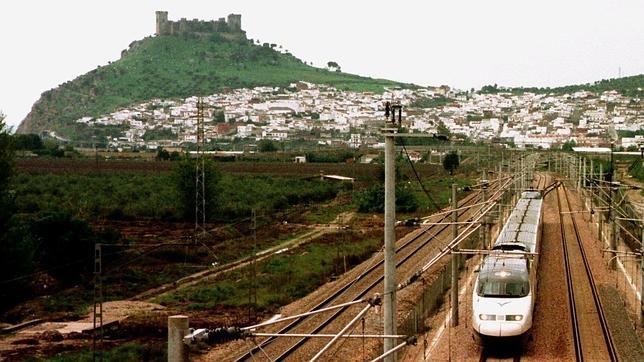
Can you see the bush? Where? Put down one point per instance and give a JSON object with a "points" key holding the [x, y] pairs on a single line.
{"points": [[266, 146], [451, 162], [637, 170], [27, 142], [373, 200], [65, 245]]}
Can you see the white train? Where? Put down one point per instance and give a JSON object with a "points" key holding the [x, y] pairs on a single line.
{"points": [[504, 294]]}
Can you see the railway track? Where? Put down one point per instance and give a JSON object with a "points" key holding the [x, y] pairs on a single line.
{"points": [[501, 353], [491, 355], [360, 287], [586, 312]]}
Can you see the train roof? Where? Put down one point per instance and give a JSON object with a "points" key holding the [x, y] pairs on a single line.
{"points": [[531, 195], [510, 266], [520, 230]]}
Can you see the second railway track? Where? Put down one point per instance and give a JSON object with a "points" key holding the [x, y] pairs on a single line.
{"points": [[586, 312], [361, 287]]}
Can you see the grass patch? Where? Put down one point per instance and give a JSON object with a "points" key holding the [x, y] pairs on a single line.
{"points": [[637, 170], [327, 213], [123, 353], [296, 273]]}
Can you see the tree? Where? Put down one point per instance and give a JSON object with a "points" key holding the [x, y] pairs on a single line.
{"points": [[266, 146], [162, 155], [333, 66], [16, 250], [373, 199], [451, 162], [27, 142], [568, 145], [219, 116], [442, 129], [6, 157]]}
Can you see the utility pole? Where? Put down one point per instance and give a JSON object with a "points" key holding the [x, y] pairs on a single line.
{"points": [[522, 171], [591, 185], [97, 330], [252, 293], [200, 176], [613, 226], [600, 227], [642, 278], [454, 259], [486, 225], [389, 298], [579, 173]]}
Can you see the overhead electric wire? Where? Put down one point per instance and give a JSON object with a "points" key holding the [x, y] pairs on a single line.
{"points": [[431, 200]]}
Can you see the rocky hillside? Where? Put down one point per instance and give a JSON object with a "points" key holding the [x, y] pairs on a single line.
{"points": [[173, 66]]}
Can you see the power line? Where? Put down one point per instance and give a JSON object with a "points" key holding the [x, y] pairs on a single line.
{"points": [[431, 200]]}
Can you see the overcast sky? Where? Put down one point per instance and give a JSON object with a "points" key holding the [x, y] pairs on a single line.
{"points": [[461, 43]]}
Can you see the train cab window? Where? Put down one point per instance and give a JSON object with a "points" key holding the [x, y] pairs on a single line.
{"points": [[503, 284]]}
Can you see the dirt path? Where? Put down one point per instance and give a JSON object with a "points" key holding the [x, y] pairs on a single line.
{"points": [[316, 232], [66, 335]]}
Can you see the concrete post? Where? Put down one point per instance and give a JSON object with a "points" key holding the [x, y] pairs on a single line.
{"points": [[600, 214], [486, 225], [455, 260], [592, 183], [579, 173], [583, 173], [177, 329], [613, 228], [642, 279], [389, 297]]}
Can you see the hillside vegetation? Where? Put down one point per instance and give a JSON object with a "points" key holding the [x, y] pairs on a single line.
{"points": [[629, 86], [177, 66]]}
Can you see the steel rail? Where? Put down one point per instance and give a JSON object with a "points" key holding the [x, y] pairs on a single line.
{"points": [[343, 289], [610, 345], [366, 290], [569, 283], [374, 284]]}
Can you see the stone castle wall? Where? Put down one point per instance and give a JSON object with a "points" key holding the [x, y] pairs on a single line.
{"points": [[230, 29]]}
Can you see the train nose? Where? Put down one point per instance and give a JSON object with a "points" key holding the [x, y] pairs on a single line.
{"points": [[490, 328]]}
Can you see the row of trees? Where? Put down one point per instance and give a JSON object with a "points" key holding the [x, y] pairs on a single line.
{"points": [[54, 241]]}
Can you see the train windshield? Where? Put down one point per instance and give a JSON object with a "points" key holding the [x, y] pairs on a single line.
{"points": [[503, 284]]}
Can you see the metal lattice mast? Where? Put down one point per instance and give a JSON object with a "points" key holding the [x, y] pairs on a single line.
{"points": [[97, 330], [252, 292], [200, 176]]}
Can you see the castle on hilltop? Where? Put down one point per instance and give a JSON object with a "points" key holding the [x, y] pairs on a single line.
{"points": [[230, 29]]}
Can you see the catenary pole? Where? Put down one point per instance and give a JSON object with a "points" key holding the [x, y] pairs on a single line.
{"points": [[455, 258], [389, 295]]}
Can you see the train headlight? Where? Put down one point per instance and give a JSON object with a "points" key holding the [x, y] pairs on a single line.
{"points": [[513, 317], [487, 317]]}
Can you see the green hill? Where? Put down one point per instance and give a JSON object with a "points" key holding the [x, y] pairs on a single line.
{"points": [[629, 86], [172, 66]]}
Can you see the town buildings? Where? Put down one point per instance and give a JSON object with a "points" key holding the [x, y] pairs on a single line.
{"points": [[329, 116]]}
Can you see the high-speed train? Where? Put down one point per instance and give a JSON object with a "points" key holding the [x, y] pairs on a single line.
{"points": [[505, 290]]}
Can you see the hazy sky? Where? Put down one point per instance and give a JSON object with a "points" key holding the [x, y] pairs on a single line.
{"points": [[457, 42]]}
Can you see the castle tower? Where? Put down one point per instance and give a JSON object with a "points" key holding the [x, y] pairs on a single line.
{"points": [[162, 20], [234, 23]]}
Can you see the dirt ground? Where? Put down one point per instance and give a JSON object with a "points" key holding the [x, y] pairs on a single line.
{"points": [[47, 337]]}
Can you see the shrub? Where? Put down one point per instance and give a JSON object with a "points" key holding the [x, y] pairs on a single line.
{"points": [[373, 200], [451, 162]]}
